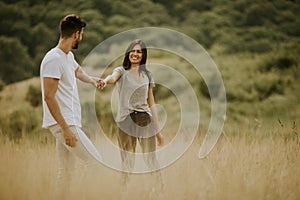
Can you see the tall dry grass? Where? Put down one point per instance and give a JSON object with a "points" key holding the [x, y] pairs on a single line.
{"points": [[245, 164]]}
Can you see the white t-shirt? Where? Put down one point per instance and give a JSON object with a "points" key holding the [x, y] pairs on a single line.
{"points": [[56, 64]]}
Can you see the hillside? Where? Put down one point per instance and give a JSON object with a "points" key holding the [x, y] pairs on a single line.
{"points": [[255, 97], [241, 26], [255, 45], [13, 96]]}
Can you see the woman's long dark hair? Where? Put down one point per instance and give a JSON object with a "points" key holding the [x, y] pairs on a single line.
{"points": [[126, 61]]}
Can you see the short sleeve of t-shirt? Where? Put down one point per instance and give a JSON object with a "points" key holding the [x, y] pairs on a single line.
{"points": [[120, 70], [52, 69]]}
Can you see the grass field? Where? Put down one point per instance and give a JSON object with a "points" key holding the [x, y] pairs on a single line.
{"points": [[245, 164], [257, 157]]}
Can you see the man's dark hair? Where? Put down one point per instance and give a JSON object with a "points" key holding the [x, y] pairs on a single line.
{"points": [[71, 24]]}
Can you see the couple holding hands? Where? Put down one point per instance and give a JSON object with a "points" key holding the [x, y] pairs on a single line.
{"points": [[136, 117]]}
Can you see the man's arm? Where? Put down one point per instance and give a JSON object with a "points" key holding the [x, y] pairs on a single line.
{"points": [[50, 88], [84, 77]]}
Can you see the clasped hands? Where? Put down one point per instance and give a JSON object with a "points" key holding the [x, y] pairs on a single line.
{"points": [[101, 84], [98, 83]]}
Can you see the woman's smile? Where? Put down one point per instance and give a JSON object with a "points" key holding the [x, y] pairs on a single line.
{"points": [[135, 55]]}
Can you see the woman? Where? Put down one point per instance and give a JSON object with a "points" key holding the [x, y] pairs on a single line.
{"points": [[137, 116]]}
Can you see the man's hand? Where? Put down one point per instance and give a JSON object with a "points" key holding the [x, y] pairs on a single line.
{"points": [[160, 139], [69, 136], [102, 84], [95, 82]]}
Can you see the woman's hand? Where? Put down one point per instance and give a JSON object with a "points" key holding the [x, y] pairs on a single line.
{"points": [[95, 82], [101, 84]]}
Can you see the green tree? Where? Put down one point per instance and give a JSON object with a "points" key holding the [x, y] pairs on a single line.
{"points": [[44, 39], [15, 63], [183, 8], [34, 95], [2, 84]]}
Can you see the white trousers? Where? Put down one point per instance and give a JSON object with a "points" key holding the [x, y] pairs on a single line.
{"points": [[67, 156]]}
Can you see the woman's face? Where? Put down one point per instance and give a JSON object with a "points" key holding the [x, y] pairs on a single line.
{"points": [[136, 54]]}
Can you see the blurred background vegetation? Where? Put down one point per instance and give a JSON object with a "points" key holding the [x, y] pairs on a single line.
{"points": [[255, 44]]}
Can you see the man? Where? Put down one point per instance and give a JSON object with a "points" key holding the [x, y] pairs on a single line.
{"points": [[61, 106]]}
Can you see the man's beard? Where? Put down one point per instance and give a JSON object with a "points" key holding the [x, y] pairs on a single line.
{"points": [[76, 45]]}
